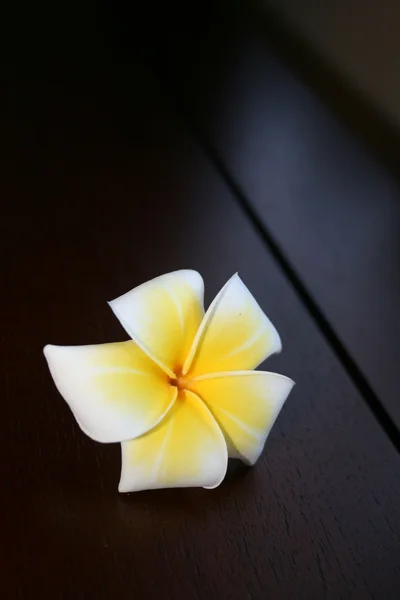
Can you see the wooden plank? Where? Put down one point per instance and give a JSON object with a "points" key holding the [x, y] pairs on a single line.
{"points": [[102, 189], [331, 208]]}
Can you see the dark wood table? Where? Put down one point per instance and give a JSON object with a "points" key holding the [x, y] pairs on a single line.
{"points": [[133, 146]]}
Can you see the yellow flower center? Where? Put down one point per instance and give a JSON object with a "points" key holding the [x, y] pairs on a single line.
{"points": [[180, 381]]}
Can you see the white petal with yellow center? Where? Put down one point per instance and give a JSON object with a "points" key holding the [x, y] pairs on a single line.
{"points": [[115, 391], [186, 449], [245, 405], [163, 315], [235, 333]]}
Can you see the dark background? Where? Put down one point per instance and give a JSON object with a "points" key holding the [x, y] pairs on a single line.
{"points": [[138, 140]]}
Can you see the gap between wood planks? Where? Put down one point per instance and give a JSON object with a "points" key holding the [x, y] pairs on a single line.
{"points": [[348, 363]]}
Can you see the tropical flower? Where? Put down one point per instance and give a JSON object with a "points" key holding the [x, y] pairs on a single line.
{"points": [[181, 395]]}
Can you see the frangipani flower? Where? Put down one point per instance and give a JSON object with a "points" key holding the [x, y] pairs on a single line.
{"points": [[181, 395]]}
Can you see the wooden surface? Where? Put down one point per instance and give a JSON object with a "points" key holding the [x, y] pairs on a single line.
{"points": [[330, 208], [103, 187]]}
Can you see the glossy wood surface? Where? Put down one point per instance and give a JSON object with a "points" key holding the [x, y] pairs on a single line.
{"points": [[331, 208], [104, 186]]}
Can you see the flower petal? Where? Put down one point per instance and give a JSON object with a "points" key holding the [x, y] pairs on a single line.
{"points": [[245, 405], [163, 315], [234, 334], [115, 391], [186, 449]]}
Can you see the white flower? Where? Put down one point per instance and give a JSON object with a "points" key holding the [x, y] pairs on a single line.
{"points": [[181, 396]]}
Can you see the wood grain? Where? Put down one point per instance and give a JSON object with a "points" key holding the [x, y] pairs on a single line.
{"points": [[103, 188]]}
